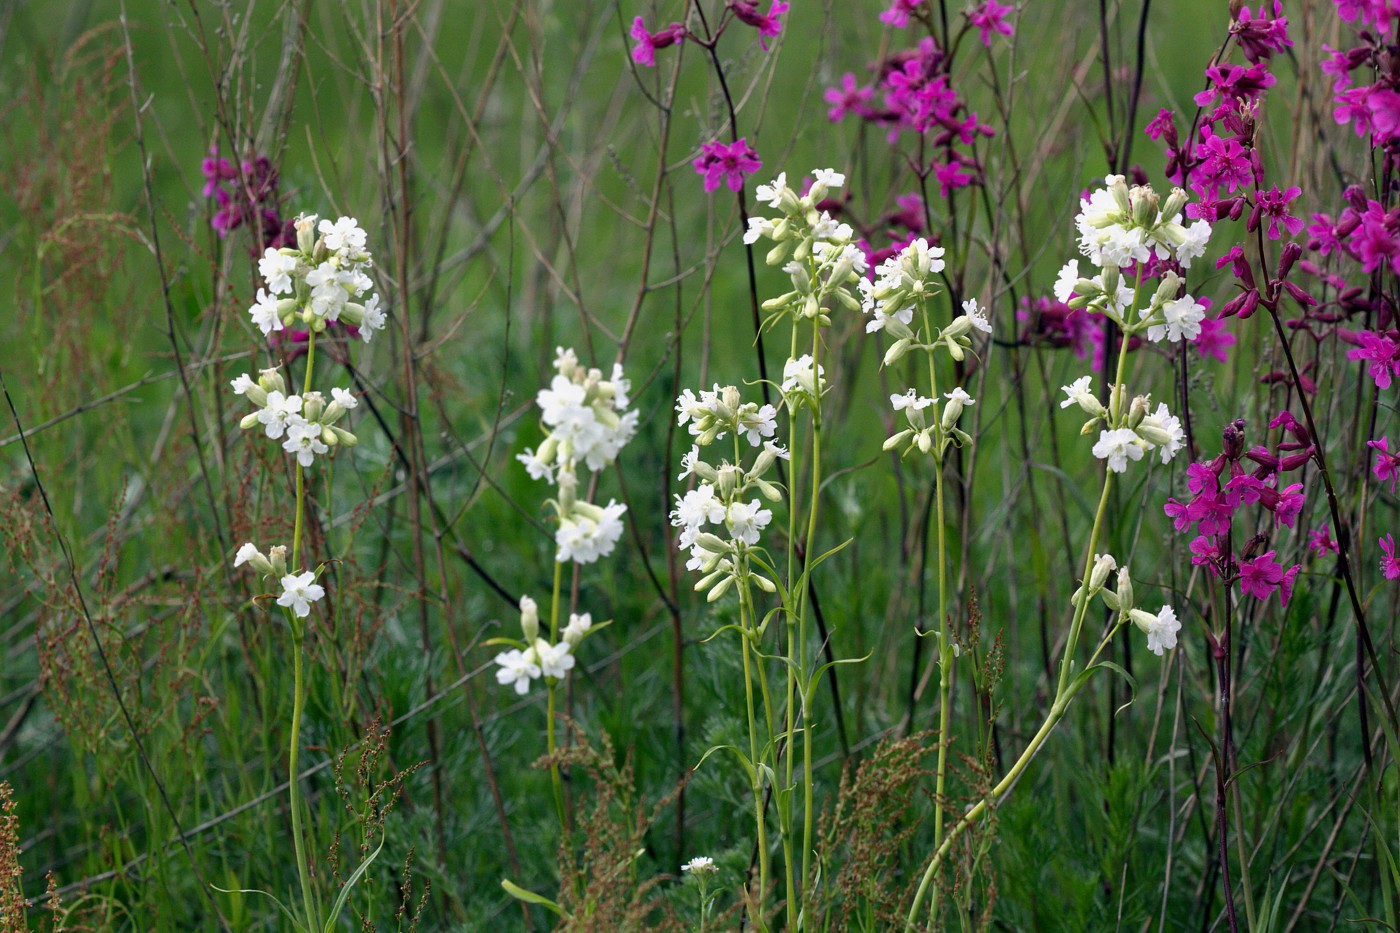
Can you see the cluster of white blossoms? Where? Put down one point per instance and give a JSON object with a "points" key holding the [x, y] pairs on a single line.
{"points": [[1121, 227], [1160, 628], [535, 657], [586, 422], [322, 280], [818, 252], [299, 590], [722, 518], [1125, 435], [306, 424]]}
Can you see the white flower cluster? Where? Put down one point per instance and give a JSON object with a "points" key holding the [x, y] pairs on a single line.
{"points": [[931, 433], [323, 280], [904, 283], [1119, 227], [586, 422], [306, 422], [536, 657], [1160, 628], [722, 518], [818, 252], [1125, 436], [299, 590]]}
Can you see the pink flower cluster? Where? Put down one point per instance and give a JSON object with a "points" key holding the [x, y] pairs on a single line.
{"points": [[1222, 486], [744, 11], [246, 194], [728, 163], [1373, 110]]}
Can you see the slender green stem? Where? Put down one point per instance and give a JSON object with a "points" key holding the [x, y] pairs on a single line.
{"points": [[294, 784], [814, 498], [555, 778], [745, 626]]}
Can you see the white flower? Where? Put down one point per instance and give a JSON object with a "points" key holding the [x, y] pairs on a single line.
{"points": [[536, 466], [1079, 393], [910, 401], [589, 532], [1163, 430], [1194, 244], [688, 462], [828, 177], [1118, 447], [1183, 320], [746, 521], [374, 319], [280, 411], [698, 506], [759, 227], [976, 316], [772, 195], [1160, 629], [264, 313], [700, 863], [246, 553], [756, 425], [328, 295], [578, 627], [277, 269], [299, 591], [518, 668], [242, 384], [797, 374], [345, 398], [1064, 285], [304, 440], [344, 233], [555, 660]]}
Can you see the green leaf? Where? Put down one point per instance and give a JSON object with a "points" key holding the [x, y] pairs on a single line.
{"points": [[350, 883], [530, 897], [296, 924]]}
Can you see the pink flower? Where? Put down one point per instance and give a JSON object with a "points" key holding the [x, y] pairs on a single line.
{"points": [[898, 13], [729, 164], [1273, 204], [1381, 353], [1160, 124], [1259, 576], [1214, 339], [1223, 163], [1387, 464], [1390, 564], [950, 175], [1320, 541], [990, 17], [1260, 37], [850, 98], [766, 23], [644, 52], [1285, 586]]}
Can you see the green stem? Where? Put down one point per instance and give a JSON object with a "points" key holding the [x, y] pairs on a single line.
{"points": [[294, 784], [555, 778], [745, 619]]}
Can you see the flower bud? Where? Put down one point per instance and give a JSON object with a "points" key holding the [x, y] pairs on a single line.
{"points": [[713, 543], [342, 437], [1112, 275], [249, 422], [764, 584], [896, 440], [529, 619], [270, 380], [897, 350], [729, 476], [1125, 590], [306, 232], [1104, 564], [277, 556], [720, 589], [312, 405], [1119, 189], [1174, 203], [1145, 205], [1141, 405]]}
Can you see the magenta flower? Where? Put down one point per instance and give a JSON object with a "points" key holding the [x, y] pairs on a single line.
{"points": [[1159, 125], [1320, 541], [1387, 464], [1224, 163], [1381, 353], [1259, 576], [1230, 81], [729, 164], [898, 13], [1390, 564], [644, 52], [1285, 586], [1214, 339], [1273, 204], [766, 23], [950, 175], [1259, 37], [990, 17], [849, 98], [1290, 504]]}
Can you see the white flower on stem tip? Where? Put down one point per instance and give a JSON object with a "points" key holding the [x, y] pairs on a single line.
{"points": [[374, 319], [344, 233], [518, 668], [746, 521], [1104, 564], [299, 591], [555, 660], [881, 320], [759, 227], [1079, 393], [773, 194], [277, 268], [242, 384], [910, 401], [1064, 285], [529, 618], [688, 461], [957, 400], [578, 626], [830, 229], [1183, 320], [279, 412], [976, 316], [589, 532], [345, 398], [1160, 629], [536, 466], [328, 294], [1118, 447], [758, 423], [1163, 430], [698, 506], [246, 553], [700, 863], [828, 178], [304, 440], [264, 313], [798, 374]]}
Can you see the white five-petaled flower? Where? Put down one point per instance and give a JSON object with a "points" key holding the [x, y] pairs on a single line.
{"points": [[1183, 320], [1079, 393], [976, 316], [277, 268], [1064, 284], [1118, 447], [1160, 629], [246, 553], [518, 668], [555, 660], [242, 384], [280, 412], [304, 440], [701, 863], [345, 398], [343, 233], [374, 319], [299, 591], [589, 532], [264, 313], [828, 177], [578, 626], [910, 401], [746, 521]]}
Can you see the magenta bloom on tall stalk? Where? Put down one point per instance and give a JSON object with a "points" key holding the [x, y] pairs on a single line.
{"points": [[644, 52], [729, 164], [990, 17], [767, 24], [1387, 466]]}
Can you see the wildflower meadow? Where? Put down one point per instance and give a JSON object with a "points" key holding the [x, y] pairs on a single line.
{"points": [[710, 465]]}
